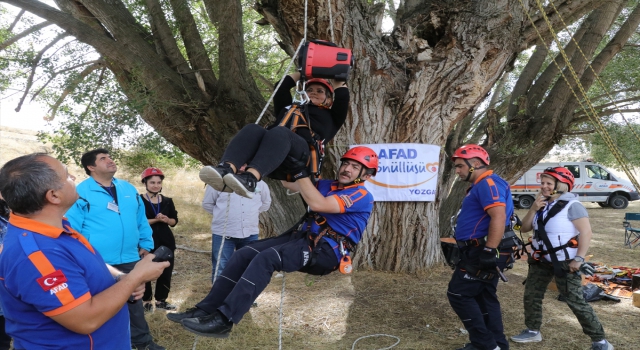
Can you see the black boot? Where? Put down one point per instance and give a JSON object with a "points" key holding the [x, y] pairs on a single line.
{"points": [[190, 313], [243, 184], [215, 325]]}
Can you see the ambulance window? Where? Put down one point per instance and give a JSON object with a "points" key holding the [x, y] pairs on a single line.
{"points": [[574, 169], [596, 172]]}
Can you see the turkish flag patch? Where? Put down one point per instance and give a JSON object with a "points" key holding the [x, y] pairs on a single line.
{"points": [[51, 280]]}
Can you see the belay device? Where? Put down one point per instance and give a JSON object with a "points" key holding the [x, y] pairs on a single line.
{"points": [[324, 59]]}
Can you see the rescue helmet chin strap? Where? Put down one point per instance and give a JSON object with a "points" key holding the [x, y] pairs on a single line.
{"points": [[471, 169], [147, 188]]}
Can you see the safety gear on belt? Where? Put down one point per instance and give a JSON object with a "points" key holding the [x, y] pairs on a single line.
{"points": [[297, 117], [488, 259]]}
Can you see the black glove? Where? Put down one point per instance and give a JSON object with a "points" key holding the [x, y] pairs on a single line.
{"points": [[488, 259], [297, 168]]}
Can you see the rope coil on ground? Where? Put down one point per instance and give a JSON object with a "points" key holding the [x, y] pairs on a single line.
{"points": [[378, 335]]}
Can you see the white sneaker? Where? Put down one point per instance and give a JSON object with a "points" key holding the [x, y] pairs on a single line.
{"points": [[527, 336], [605, 346]]}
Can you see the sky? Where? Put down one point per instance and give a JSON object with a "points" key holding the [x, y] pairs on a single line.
{"points": [[30, 117]]}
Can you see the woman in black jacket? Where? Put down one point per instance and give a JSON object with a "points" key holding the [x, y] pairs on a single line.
{"points": [[162, 215], [265, 150]]}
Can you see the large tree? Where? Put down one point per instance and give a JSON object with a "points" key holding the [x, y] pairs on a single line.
{"points": [[413, 85]]}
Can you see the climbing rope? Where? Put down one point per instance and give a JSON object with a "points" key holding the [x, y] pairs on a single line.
{"points": [[304, 39], [224, 238], [588, 109], [566, 27], [378, 335]]}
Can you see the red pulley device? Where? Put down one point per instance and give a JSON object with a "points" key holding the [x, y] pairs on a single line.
{"points": [[323, 59]]}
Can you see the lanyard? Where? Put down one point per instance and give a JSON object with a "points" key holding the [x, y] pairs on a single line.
{"points": [[108, 190], [153, 206]]}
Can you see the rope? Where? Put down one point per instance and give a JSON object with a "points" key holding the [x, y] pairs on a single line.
{"points": [[280, 317], [592, 117], [224, 238], [594, 72], [333, 40], [377, 335]]}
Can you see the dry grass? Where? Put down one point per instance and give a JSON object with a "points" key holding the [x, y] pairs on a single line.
{"points": [[331, 312]]}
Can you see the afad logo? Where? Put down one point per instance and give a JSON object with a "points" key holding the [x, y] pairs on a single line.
{"points": [[399, 163]]}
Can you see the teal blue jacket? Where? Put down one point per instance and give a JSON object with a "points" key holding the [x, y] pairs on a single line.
{"points": [[117, 236]]}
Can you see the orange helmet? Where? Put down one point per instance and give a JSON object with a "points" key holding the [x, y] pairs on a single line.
{"points": [[148, 172], [323, 82], [363, 155], [471, 151], [561, 174]]}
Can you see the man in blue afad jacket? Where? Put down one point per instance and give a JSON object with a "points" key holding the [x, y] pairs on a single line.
{"points": [[112, 217]]}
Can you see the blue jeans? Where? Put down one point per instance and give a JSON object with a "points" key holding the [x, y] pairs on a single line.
{"points": [[230, 245]]}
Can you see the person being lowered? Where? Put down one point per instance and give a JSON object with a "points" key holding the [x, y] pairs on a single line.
{"points": [[297, 130]]}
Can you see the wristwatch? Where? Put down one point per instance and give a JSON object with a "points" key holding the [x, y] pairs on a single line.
{"points": [[578, 258]]}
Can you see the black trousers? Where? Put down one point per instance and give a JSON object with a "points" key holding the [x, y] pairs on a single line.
{"points": [[250, 268], [476, 304], [5, 340], [139, 328], [264, 150], [163, 285]]}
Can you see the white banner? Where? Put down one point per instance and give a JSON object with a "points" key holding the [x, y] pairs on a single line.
{"points": [[407, 172]]}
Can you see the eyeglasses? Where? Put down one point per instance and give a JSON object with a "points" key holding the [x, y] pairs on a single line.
{"points": [[553, 171], [317, 91]]}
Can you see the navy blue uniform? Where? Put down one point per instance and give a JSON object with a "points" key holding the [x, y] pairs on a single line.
{"points": [[475, 301]]}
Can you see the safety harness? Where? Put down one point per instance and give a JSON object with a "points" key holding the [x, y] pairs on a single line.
{"points": [[298, 117], [541, 233]]}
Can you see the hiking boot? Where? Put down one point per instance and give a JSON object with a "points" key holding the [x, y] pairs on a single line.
{"points": [[605, 346], [149, 346], [527, 336], [212, 176], [164, 305], [243, 184], [215, 325], [190, 313]]}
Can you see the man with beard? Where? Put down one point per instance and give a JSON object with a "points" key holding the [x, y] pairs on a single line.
{"points": [[340, 211]]}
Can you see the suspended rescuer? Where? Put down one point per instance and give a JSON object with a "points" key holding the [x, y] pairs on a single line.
{"points": [[299, 133], [484, 219], [561, 239], [321, 244], [57, 291]]}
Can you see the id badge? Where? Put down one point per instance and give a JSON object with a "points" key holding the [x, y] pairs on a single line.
{"points": [[113, 207]]}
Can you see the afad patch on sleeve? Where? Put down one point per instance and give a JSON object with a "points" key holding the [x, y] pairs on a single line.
{"points": [[347, 200], [51, 280]]}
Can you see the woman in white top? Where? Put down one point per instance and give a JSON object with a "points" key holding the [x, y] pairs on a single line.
{"points": [[562, 235]]}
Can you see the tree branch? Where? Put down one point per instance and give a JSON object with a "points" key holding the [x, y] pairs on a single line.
{"points": [[197, 53], [93, 93], [570, 11], [527, 77], [15, 21], [55, 74], [581, 132], [23, 34], [163, 34], [34, 65], [69, 88]]}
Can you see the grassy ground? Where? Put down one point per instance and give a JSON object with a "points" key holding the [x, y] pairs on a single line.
{"points": [[331, 312]]}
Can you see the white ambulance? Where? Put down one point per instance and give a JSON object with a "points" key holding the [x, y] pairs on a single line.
{"points": [[594, 183]]}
